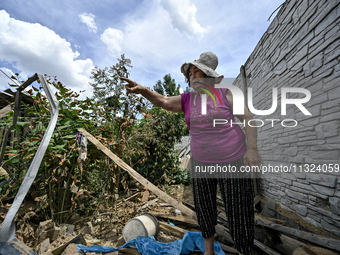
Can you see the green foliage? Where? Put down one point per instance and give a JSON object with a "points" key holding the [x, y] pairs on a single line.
{"points": [[156, 136], [168, 87], [106, 81], [62, 176]]}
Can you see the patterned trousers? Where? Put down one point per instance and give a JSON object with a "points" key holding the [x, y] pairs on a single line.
{"points": [[238, 198]]}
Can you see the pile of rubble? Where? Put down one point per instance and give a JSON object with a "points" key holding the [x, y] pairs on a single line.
{"points": [[105, 227]]}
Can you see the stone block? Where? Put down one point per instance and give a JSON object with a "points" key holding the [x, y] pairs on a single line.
{"points": [[328, 129], [314, 217], [325, 70], [323, 190], [301, 33], [288, 139], [329, 104], [314, 110], [331, 82], [288, 176], [312, 222], [310, 122], [303, 186], [299, 175], [300, 10], [291, 151], [316, 39], [280, 67], [334, 93], [335, 223], [331, 33], [306, 133], [300, 209], [321, 196], [327, 155], [335, 205], [322, 179], [309, 13], [324, 7], [331, 228], [296, 195], [330, 117], [313, 64], [325, 147], [308, 192], [329, 19], [329, 111], [333, 54], [293, 200], [312, 199], [337, 193], [288, 182]]}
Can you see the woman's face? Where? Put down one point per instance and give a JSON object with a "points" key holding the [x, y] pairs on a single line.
{"points": [[196, 77]]}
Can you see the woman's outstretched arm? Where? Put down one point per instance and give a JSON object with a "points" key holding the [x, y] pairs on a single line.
{"points": [[172, 103]]}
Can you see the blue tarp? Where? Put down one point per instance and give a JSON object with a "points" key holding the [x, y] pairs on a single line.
{"points": [[147, 245]]}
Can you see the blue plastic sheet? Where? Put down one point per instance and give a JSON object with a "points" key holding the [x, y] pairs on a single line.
{"points": [[147, 245]]}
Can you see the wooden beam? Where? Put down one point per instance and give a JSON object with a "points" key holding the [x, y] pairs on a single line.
{"points": [[172, 230], [185, 210], [180, 218], [265, 248], [326, 242]]}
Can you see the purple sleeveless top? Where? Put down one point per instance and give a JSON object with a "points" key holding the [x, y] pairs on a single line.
{"points": [[221, 143]]}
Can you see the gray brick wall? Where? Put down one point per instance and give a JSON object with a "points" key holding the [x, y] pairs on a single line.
{"points": [[301, 48]]}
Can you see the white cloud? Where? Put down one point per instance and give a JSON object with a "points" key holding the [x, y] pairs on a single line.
{"points": [[113, 38], [183, 17], [34, 48], [88, 19]]}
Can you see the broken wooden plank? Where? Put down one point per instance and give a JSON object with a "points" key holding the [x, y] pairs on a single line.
{"points": [[316, 239], [139, 177], [179, 218], [265, 248], [289, 245], [172, 230], [272, 220]]}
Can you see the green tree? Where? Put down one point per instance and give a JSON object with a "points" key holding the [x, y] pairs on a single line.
{"points": [[109, 89], [155, 137], [187, 89], [168, 87]]}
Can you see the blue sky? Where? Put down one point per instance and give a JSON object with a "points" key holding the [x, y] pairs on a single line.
{"points": [[68, 38]]}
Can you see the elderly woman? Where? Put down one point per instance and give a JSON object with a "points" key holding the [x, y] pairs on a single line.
{"points": [[214, 147]]}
